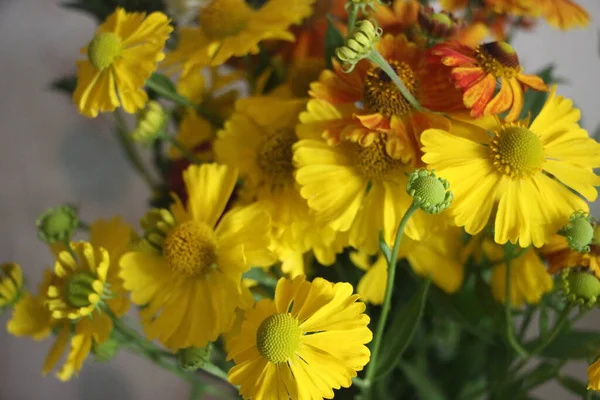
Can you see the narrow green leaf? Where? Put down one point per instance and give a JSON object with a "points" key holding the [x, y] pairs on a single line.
{"points": [[164, 82], [425, 387], [400, 333], [573, 385], [573, 345], [66, 84], [333, 40], [540, 375]]}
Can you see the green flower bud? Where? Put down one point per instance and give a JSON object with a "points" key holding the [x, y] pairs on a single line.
{"points": [[359, 43], [363, 5], [57, 224], [105, 351], [79, 288], [192, 358], [150, 123], [429, 192], [157, 223], [580, 287], [579, 231]]}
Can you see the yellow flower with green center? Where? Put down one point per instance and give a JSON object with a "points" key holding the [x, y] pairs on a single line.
{"points": [[121, 56], [188, 271], [11, 284], [68, 299], [526, 172], [302, 345], [258, 140], [231, 28]]}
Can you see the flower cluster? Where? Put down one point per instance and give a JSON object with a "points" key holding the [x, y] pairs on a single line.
{"points": [[306, 150]]}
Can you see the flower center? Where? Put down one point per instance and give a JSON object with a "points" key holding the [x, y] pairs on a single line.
{"points": [[104, 48], [274, 157], [517, 152], [79, 287], [222, 18], [499, 59], [373, 162], [383, 96], [278, 337], [191, 248]]}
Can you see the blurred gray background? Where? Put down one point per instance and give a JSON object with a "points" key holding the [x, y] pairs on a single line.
{"points": [[50, 155]]}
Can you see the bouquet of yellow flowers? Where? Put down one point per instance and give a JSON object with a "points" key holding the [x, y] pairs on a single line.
{"points": [[351, 198]]}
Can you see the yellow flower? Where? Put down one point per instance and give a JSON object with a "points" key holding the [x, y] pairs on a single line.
{"points": [[507, 166], [309, 340], [231, 28], [371, 287], [188, 272], [11, 284], [75, 290], [121, 56], [594, 376]]}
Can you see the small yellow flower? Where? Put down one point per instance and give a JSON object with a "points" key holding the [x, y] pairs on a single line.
{"points": [[121, 56], [11, 284], [188, 273], [308, 341], [75, 290]]}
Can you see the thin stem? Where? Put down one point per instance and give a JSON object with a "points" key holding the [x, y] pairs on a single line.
{"points": [[352, 15], [525, 323], [385, 309], [130, 151], [563, 317], [183, 101], [376, 58], [510, 333], [181, 147]]}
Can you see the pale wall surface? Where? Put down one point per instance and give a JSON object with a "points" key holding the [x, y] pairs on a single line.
{"points": [[50, 155]]}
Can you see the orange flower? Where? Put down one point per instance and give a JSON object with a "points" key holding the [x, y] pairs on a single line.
{"points": [[561, 14], [398, 17], [477, 71], [559, 256], [368, 104]]}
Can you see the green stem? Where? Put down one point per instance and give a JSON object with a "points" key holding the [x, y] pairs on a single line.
{"points": [[352, 15], [563, 317], [177, 98], [130, 151], [526, 322], [510, 333], [385, 309], [376, 58], [184, 150]]}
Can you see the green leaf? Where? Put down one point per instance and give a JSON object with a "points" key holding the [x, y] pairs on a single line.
{"points": [[164, 82], [540, 375], [261, 276], [333, 40], [425, 387], [66, 84], [573, 345], [400, 333], [573, 385]]}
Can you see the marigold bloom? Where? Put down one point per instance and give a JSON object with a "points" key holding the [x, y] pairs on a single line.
{"points": [[510, 170], [258, 140], [69, 298], [477, 71], [188, 271], [11, 284], [302, 345], [121, 56], [231, 28]]}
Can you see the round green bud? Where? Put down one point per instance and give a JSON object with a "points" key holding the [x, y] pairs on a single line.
{"points": [[79, 288], [581, 287], [579, 232], [151, 121], [429, 192], [57, 224], [105, 351], [192, 358]]}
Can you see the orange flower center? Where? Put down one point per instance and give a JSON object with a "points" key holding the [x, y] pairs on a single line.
{"points": [[222, 18], [191, 248], [383, 96], [374, 163], [498, 59], [274, 157], [517, 152]]}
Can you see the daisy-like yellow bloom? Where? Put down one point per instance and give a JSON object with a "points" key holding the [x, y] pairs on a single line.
{"points": [[231, 28], [593, 372], [478, 71], [302, 345], [121, 56], [11, 284], [189, 269], [524, 170], [71, 297], [258, 140]]}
